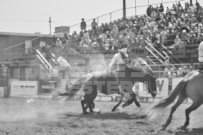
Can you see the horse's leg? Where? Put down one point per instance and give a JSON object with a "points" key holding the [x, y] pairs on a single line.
{"points": [[135, 100], [120, 101], [89, 104], [83, 106], [114, 108], [193, 107], [129, 101], [181, 98], [93, 105], [121, 98]]}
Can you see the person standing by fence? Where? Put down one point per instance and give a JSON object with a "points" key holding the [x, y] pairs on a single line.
{"points": [[63, 66], [83, 25], [200, 58]]}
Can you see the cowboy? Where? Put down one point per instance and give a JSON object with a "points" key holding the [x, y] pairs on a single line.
{"points": [[119, 60], [63, 66]]}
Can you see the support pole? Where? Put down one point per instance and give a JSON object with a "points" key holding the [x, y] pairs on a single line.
{"points": [[124, 9], [50, 25]]}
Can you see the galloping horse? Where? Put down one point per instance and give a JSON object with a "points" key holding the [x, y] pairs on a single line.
{"points": [[111, 84], [191, 87]]}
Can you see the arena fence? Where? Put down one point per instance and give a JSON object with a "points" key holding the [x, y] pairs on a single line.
{"points": [[38, 89]]}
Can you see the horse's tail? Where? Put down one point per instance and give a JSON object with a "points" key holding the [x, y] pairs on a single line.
{"points": [[167, 101], [77, 89], [73, 90], [68, 94]]}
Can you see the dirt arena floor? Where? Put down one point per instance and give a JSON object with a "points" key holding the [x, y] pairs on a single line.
{"points": [[49, 117]]}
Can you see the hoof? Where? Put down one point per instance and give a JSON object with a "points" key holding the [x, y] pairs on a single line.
{"points": [[163, 127], [96, 110], [86, 113], [182, 128]]}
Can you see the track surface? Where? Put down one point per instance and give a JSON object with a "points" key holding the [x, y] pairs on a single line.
{"points": [[47, 117]]}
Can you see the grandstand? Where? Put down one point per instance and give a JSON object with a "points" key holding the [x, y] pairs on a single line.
{"points": [[173, 33]]}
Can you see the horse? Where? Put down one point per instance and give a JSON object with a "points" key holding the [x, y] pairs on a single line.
{"points": [[189, 87], [112, 83]]}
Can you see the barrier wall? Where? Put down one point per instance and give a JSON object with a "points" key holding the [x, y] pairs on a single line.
{"points": [[46, 87], [162, 88], [23, 88], [2, 93], [36, 89]]}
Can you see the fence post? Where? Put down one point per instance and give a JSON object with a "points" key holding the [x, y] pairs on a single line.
{"points": [[97, 20], [110, 16]]}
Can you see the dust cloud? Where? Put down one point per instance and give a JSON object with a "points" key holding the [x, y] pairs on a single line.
{"points": [[98, 63], [18, 109]]}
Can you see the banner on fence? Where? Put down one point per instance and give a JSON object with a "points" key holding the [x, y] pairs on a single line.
{"points": [[47, 86], [162, 88], [23, 88], [1, 91]]}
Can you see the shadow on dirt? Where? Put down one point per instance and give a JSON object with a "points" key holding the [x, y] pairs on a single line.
{"points": [[192, 131], [107, 115]]}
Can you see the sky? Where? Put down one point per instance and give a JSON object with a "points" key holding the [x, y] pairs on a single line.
{"points": [[30, 16]]}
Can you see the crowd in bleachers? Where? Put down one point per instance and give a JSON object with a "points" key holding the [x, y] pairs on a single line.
{"points": [[177, 71], [172, 27]]}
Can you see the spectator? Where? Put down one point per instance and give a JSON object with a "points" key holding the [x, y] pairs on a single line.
{"points": [[149, 10], [167, 62], [58, 42], [184, 37], [94, 26], [166, 72], [180, 72], [83, 25], [106, 46], [185, 70], [172, 73], [161, 9], [63, 66]]}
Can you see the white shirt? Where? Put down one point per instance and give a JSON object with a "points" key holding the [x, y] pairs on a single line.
{"points": [[117, 60], [63, 63]]}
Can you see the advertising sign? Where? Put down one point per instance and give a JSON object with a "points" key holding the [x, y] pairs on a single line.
{"points": [[1, 91], [62, 29], [23, 88], [47, 87], [162, 88]]}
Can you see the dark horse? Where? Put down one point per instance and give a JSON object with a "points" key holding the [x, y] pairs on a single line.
{"points": [[113, 83], [191, 87]]}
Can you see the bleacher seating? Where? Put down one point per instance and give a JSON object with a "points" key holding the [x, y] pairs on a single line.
{"points": [[177, 27]]}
